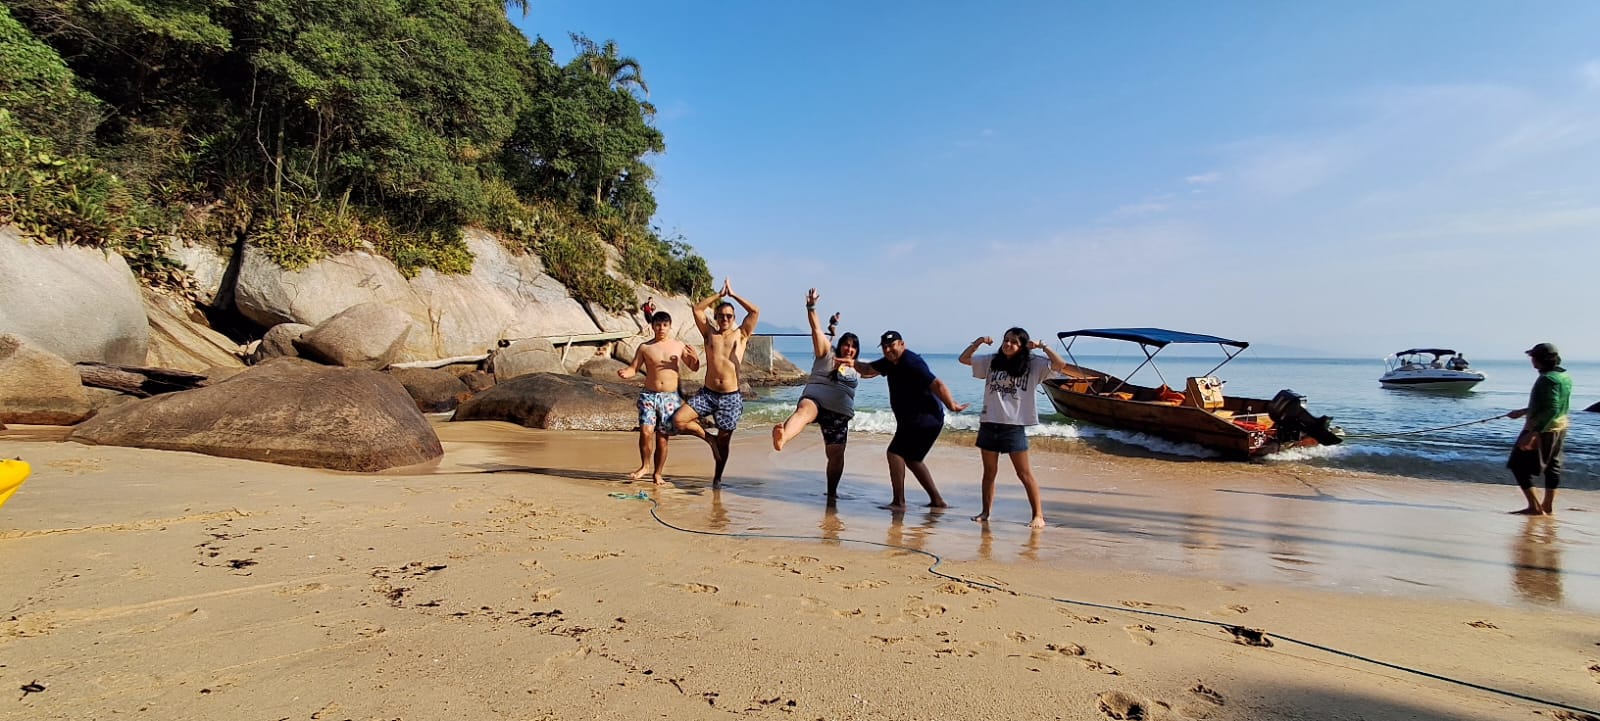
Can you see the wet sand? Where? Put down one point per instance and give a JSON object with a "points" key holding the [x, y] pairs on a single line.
{"points": [[506, 582]]}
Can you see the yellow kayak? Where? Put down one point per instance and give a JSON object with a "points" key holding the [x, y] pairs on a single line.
{"points": [[12, 474]]}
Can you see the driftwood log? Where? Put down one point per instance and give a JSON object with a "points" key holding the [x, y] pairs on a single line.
{"points": [[137, 381]]}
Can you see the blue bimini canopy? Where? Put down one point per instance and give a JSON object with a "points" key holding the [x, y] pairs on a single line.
{"points": [[1158, 337]]}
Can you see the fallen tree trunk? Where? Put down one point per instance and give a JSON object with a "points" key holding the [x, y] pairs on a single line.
{"points": [[137, 381]]}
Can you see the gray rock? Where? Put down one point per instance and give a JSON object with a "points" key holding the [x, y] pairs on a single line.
{"points": [[81, 304], [207, 265], [102, 398], [435, 391], [278, 342], [605, 368], [368, 335], [561, 402], [39, 387], [288, 411], [534, 355], [181, 339], [478, 381]]}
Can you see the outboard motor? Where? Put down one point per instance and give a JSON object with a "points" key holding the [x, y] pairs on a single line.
{"points": [[1293, 421]]}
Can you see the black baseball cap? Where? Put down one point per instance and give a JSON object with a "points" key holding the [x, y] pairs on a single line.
{"points": [[888, 338], [1543, 350]]}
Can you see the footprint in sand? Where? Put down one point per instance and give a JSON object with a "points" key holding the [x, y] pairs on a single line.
{"points": [[1140, 633], [1065, 649], [1094, 665], [927, 610], [858, 585], [1081, 619], [696, 588], [1206, 694], [1481, 624], [955, 589], [1594, 670], [852, 613], [1018, 636], [1238, 608], [1123, 706], [549, 593]]}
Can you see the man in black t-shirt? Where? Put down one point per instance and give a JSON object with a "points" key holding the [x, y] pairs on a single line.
{"points": [[918, 399]]}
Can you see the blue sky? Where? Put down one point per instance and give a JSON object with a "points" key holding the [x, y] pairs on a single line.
{"points": [[1352, 178]]}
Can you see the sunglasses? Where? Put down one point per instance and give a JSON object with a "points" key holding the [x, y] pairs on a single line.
{"points": [[724, 316]]}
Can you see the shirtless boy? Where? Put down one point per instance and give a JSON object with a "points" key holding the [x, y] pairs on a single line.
{"points": [[719, 401], [659, 358]]}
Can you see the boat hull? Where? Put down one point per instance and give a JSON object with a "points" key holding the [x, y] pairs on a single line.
{"points": [[1432, 380], [1180, 423]]}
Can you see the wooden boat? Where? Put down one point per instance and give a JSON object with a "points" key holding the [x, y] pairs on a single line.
{"points": [[1235, 427]]}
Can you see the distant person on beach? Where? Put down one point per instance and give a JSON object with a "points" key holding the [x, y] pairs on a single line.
{"points": [[829, 397], [1538, 449], [1010, 379], [659, 358], [915, 396], [719, 400], [649, 308]]}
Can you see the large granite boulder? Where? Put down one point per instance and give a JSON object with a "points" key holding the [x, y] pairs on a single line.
{"points": [[434, 390], [206, 264], [367, 335], [82, 304], [287, 410], [506, 296], [605, 368], [38, 387], [533, 355], [180, 337], [554, 401]]}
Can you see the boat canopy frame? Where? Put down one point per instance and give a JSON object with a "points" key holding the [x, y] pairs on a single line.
{"points": [[1146, 338], [1435, 352]]}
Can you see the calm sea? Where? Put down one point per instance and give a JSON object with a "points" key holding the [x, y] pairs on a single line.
{"points": [[1346, 389]]}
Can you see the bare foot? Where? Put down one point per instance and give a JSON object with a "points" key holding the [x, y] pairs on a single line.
{"points": [[1038, 522], [1530, 511], [659, 479], [636, 475], [938, 503], [777, 438], [894, 506], [981, 518]]}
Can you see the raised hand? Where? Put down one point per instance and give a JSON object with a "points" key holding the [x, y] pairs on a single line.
{"points": [[727, 287], [812, 297], [984, 340]]}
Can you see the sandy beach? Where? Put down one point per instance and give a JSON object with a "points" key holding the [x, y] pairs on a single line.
{"points": [[507, 581]]}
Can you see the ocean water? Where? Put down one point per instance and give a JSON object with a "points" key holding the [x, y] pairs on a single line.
{"points": [[1346, 389]]}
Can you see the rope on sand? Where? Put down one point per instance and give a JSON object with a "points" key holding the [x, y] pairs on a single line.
{"points": [[1428, 430], [1247, 636]]}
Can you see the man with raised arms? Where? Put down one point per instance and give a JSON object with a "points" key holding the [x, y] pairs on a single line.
{"points": [[719, 401], [658, 358]]}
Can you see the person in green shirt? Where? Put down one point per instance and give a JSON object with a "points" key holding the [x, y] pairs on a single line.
{"points": [[1538, 449]]}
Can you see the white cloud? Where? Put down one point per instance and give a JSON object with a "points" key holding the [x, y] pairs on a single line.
{"points": [[1591, 74], [1203, 178]]}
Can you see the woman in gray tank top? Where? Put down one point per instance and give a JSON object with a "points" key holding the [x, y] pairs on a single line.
{"points": [[829, 397]]}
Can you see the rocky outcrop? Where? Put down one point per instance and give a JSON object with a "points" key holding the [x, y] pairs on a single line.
{"points": [[82, 304], [433, 390], [38, 387], [534, 355], [560, 402], [180, 337], [1594, 408], [366, 335], [288, 411], [506, 296]]}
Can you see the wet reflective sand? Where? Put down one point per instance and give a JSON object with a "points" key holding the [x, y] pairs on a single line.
{"points": [[1229, 522]]}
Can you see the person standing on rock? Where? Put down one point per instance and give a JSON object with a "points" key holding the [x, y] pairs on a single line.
{"points": [[659, 358], [719, 400]]}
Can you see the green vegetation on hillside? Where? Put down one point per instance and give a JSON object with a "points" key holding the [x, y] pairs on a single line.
{"points": [[307, 129]]}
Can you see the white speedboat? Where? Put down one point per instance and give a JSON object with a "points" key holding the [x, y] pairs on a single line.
{"points": [[1434, 369]]}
